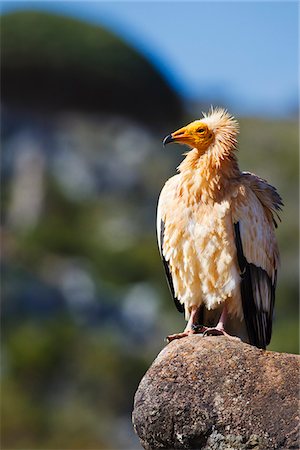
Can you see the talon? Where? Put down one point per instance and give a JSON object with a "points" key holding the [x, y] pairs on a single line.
{"points": [[197, 328], [214, 332], [219, 332]]}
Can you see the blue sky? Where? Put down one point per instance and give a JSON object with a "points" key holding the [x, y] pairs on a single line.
{"points": [[245, 53]]}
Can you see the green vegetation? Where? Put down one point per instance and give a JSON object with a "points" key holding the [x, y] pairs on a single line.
{"points": [[269, 148], [68, 379], [85, 302]]}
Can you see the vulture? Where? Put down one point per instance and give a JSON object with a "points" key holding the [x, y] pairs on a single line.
{"points": [[216, 235]]}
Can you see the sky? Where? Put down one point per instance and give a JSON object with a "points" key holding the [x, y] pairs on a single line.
{"points": [[244, 53]]}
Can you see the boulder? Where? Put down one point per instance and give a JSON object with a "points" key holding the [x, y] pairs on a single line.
{"points": [[218, 393]]}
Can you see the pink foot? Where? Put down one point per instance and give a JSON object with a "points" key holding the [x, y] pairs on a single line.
{"points": [[191, 327], [172, 337], [218, 331]]}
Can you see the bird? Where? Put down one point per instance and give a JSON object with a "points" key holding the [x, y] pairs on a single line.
{"points": [[216, 235]]}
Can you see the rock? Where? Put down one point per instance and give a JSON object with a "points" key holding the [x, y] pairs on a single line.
{"points": [[218, 393]]}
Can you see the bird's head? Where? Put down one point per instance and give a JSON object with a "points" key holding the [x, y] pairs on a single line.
{"points": [[215, 127]]}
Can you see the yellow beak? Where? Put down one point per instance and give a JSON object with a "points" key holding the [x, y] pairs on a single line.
{"points": [[180, 135]]}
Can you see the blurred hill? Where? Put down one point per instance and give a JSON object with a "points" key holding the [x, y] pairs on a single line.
{"points": [[50, 62], [85, 302]]}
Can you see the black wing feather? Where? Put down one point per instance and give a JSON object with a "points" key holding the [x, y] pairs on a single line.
{"points": [[258, 320], [178, 305]]}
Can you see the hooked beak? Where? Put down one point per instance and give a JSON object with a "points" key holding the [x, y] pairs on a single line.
{"points": [[178, 136], [167, 140]]}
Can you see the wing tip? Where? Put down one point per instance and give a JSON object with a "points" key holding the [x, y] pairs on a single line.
{"points": [[258, 321]]}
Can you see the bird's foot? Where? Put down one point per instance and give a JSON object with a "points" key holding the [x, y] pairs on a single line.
{"points": [[195, 329], [172, 337], [218, 331], [198, 328], [214, 332]]}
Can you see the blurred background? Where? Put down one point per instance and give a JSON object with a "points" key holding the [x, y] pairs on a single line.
{"points": [[89, 89]]}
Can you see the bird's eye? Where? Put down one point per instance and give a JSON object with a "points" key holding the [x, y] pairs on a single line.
{"points": [[200, 130]]}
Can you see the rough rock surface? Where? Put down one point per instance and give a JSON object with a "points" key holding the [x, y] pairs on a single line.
{"points": [[218, 393]]}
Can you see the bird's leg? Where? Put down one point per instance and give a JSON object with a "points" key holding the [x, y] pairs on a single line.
{"points": [[219, 329], [192, 320], [221, 324], [191, 327]]}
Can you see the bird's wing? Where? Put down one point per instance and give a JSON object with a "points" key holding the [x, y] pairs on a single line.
{"points": [[257, 254], [267, 195], [160, 228]]}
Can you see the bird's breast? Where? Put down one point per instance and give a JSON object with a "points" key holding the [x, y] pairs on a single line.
{"points": [[199, 246]]}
